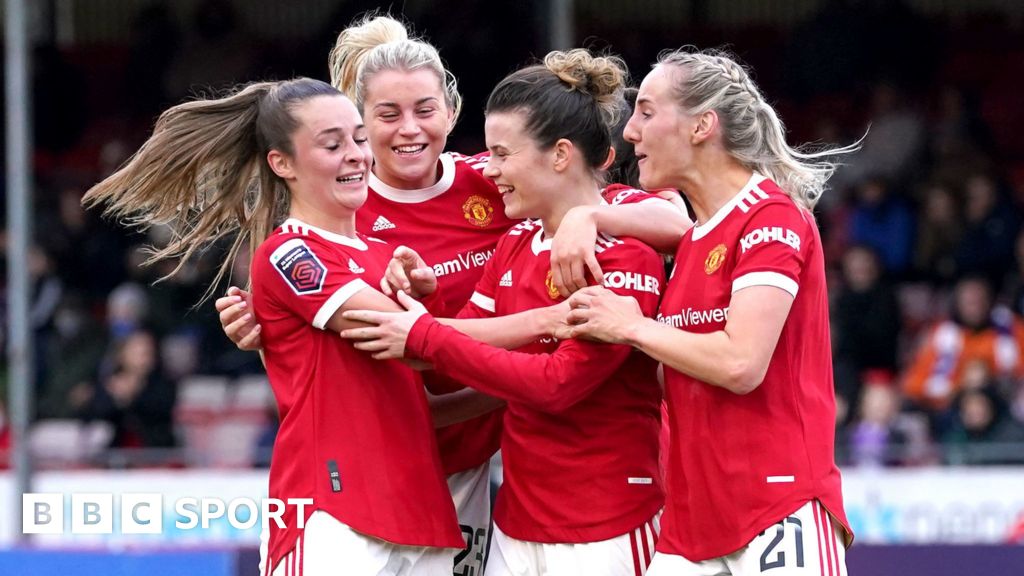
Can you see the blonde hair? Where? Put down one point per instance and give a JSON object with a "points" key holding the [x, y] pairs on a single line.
{"points": [[204, 171], [573, 95], [376, 43], [752, 131]]}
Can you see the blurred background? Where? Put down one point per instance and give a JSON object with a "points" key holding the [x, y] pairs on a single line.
{"points": [[136, 388]]}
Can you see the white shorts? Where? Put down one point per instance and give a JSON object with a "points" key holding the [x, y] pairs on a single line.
{"points": [[806, 543], [329, 548], [624, 555], [471, 493]]}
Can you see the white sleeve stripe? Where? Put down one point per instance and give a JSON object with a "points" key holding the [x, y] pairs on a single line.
{"points": [[337, 300], [483, 301], [766, 279]]}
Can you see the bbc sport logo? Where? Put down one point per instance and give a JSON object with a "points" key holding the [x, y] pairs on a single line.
{"points": [[143, 513]]}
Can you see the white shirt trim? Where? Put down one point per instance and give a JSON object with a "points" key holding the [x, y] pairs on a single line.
{"points": [[766, 279], [422, 194], [336, 301], [539, 243], [300, 227], [483, 301], [702, 230]]}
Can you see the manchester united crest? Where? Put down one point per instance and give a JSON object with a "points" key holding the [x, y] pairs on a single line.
{"points": [[478, 211], [549, 281], [715, 259]]}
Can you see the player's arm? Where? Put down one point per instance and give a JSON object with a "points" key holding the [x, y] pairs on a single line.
{"points": [[765, 282], [548, 382], [735, 358], [460, 406], [514, 330], [654, 221]]}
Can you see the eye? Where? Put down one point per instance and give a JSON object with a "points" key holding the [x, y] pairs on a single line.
{"points": [[425, 111], [388, 116], [362, 140], [333, 146]]}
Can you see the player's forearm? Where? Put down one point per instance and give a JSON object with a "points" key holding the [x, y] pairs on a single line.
{"points": [[508, 332], [712, 358], [460, 406], [659, 224], [548, 382]]}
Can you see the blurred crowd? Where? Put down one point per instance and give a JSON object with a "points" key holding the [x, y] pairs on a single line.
{"points": [[923, 227]]}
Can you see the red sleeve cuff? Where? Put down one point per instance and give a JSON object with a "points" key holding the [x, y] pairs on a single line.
{"points": [[416, 342]]}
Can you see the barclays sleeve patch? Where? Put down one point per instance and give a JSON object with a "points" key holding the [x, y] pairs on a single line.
{"points": [[299, 267]]}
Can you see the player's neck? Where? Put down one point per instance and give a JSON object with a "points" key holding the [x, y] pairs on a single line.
{"points": [[712, 187], [583, 194], [345, 226]]}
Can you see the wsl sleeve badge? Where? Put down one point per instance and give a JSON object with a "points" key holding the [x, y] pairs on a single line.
{"points": [[299, 267]]}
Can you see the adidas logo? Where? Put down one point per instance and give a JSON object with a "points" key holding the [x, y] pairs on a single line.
{"points": [[506, 279], [355, 268], [382, 223]]}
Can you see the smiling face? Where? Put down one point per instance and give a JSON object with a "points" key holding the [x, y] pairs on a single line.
{"points": [[520, 169], [408, 122], [660, 131], [328, 170]]}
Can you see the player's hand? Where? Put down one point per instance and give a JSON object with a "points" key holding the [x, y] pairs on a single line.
{"points": [[572, 251], [600, 314], [388, 332], [236, 319], [674, 197], [408, 273]]}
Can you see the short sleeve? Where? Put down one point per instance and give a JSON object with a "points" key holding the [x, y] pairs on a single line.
{"points": [[616, 195], [633, 269], [309, 278], [773, 248]]}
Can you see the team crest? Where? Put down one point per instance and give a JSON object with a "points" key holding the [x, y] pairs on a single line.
{"points": [[478, 211], [299, 267], [715, 259], [549, 281]]}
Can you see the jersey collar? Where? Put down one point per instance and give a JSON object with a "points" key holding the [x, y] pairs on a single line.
{"points": [[296, 225], [702, 230], [423, 194]]}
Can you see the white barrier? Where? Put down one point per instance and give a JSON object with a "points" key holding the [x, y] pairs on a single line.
{"points": [[885, 506]]}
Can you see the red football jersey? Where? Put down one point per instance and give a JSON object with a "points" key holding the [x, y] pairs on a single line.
{"points": [[581, 427], [454, 225], [355, 432], [740, 463]]}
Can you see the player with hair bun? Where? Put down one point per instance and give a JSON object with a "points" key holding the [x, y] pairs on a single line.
{"points": [[440, 204], [363, 453], [582, 491], [743, 334]]}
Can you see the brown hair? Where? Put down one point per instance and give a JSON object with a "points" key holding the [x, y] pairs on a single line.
{"points": [[204, 171], [572, 95]]}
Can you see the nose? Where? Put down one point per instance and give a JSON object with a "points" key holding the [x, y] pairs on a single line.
{"points": [[491, 169], [356, 153], [410, 126], [631, 132]]}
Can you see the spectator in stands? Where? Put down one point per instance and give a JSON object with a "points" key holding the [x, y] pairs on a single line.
{"points": [[983, 431], [1014, 285], [939, 230], [894, 143], [75, 351], [885, 222], [135, 397], [975, 331], [876, 438], [865, 323], [992, 224]]}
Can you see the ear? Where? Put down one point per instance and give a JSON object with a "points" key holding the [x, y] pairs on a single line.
{"points": [[705, 127], [563, 151], [610, 159], [451, 119], [280, 164]]}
